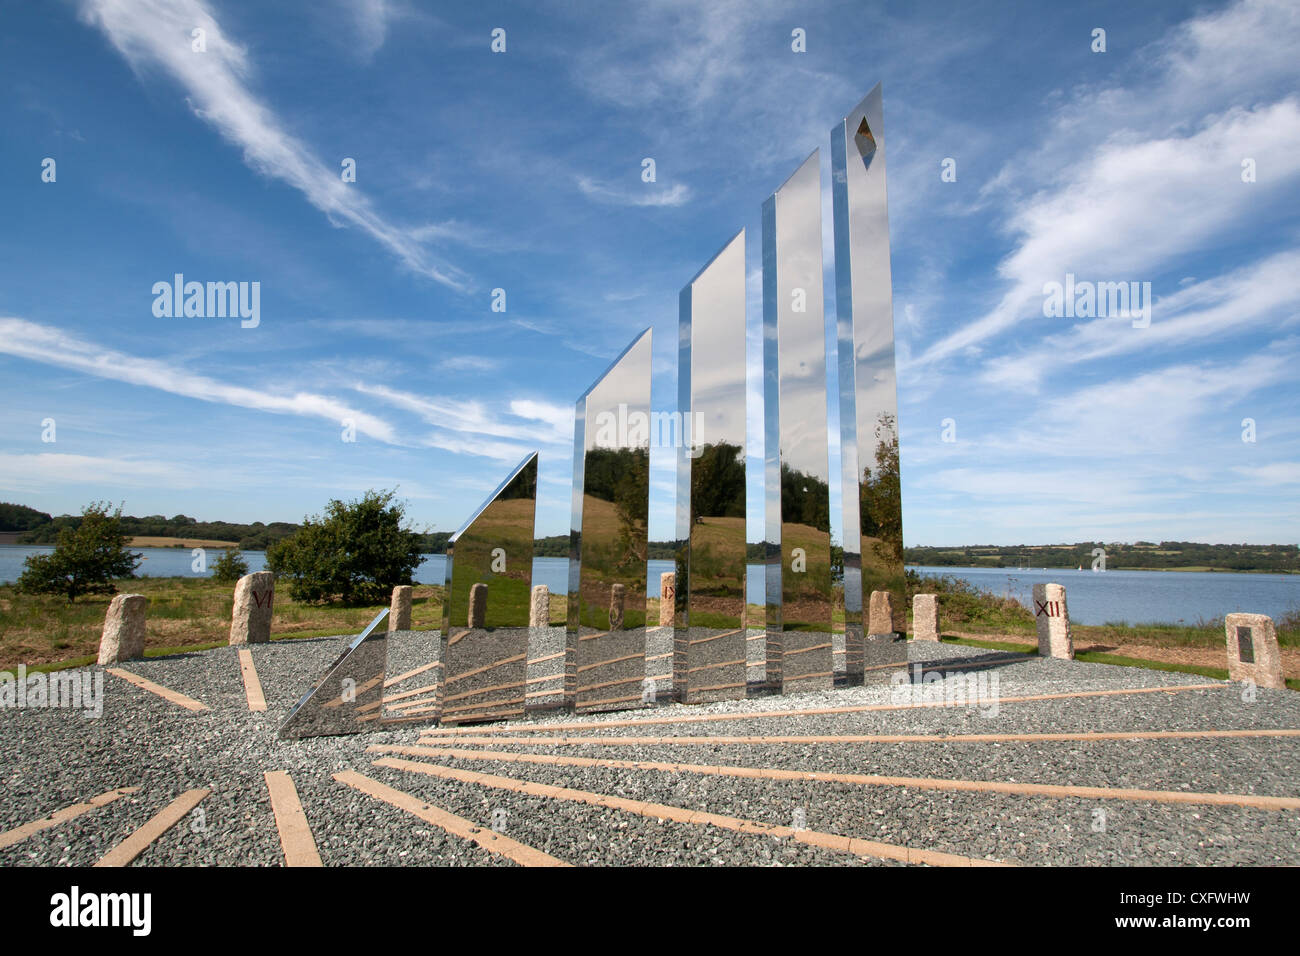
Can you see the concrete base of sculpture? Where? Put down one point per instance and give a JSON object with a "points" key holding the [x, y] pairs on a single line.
{"points": [[1253, 653]]}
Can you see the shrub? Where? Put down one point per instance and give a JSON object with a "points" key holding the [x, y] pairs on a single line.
{"points": [[86, 559], [357, 552], [230, 567]]}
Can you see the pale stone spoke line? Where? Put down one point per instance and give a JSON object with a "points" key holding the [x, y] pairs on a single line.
{"points": [[489, 840], [661, 811], [1080, 736], [811, 712], [160, 823], [17, 834], [252, 683], [166, 693], [867, 780], [295, 832]]}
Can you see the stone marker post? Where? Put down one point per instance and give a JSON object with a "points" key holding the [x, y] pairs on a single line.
{"points": [[399, 608], [880, 619], [925, 617], [617, 602], [539, 609], [478, 605], [1053, 619], [668, 599], [1252, 650], [254, 601], [123, 637]]}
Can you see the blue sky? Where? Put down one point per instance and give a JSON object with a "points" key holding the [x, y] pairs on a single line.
{"points": [[522, 170]]}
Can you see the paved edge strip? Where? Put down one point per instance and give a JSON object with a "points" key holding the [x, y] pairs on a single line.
{"points": [[662, 811], [1084, 736], [252, 683], [869, 780], [166, 693], [18, 834], [811, 712], [295, 832], [160, 823], [489, 840]]}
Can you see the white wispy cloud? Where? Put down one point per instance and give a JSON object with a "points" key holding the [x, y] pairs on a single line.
{"points": [[516, 420], [52, 346], [646, 195], [156, 34], [1112, 216], [469, 363], [34, 473], [1252, 297]]}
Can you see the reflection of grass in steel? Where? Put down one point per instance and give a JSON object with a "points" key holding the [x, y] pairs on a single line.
{"points": [[507, 524], [605, 562]]}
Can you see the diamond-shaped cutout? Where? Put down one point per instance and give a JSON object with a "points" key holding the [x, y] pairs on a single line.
{"points": [[864, 138]]}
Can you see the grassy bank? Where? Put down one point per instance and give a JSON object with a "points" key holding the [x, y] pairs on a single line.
{"points": [[183, 613], [190, 614]]}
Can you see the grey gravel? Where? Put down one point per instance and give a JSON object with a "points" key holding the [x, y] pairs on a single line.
{"points": [[55, 758]]}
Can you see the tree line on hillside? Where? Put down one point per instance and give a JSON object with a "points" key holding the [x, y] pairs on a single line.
{"points": [[37, 527], [1282, 558]]}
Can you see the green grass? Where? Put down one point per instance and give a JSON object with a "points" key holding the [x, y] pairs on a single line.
{"points": [[182, 614]]}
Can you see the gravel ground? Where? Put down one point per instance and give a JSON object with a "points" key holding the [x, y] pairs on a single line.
{"points": [[55, 758]]}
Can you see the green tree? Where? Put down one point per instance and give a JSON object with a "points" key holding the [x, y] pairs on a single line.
{"points": [[87, 558], [230, 567], [881, 509], [356, 551]]}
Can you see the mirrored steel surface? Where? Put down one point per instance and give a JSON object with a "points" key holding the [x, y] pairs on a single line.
{"points": [[709, 637], [873, 523], [485, 610], [349, 697], [605, 638], [796, 455]]}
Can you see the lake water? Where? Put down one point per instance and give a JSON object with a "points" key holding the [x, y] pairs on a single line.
{"points": [[1131, 597], [1143, 597]]}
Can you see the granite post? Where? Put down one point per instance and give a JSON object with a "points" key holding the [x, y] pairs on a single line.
{"points": [[617, 603], [399, 608], [254, 600], [925, 617], [1252, 650], [1053, 618], [881, 616], [123, 637], [539, 608], [478, 605], [668, 599]]}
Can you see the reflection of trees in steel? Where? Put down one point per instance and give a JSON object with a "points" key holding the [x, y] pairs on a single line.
{"points": [[524, 485], [881, 495], [718, 482], [805, 499], [621, 476]]}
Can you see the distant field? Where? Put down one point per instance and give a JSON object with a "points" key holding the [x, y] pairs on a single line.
{"points": [[146, 541]]}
